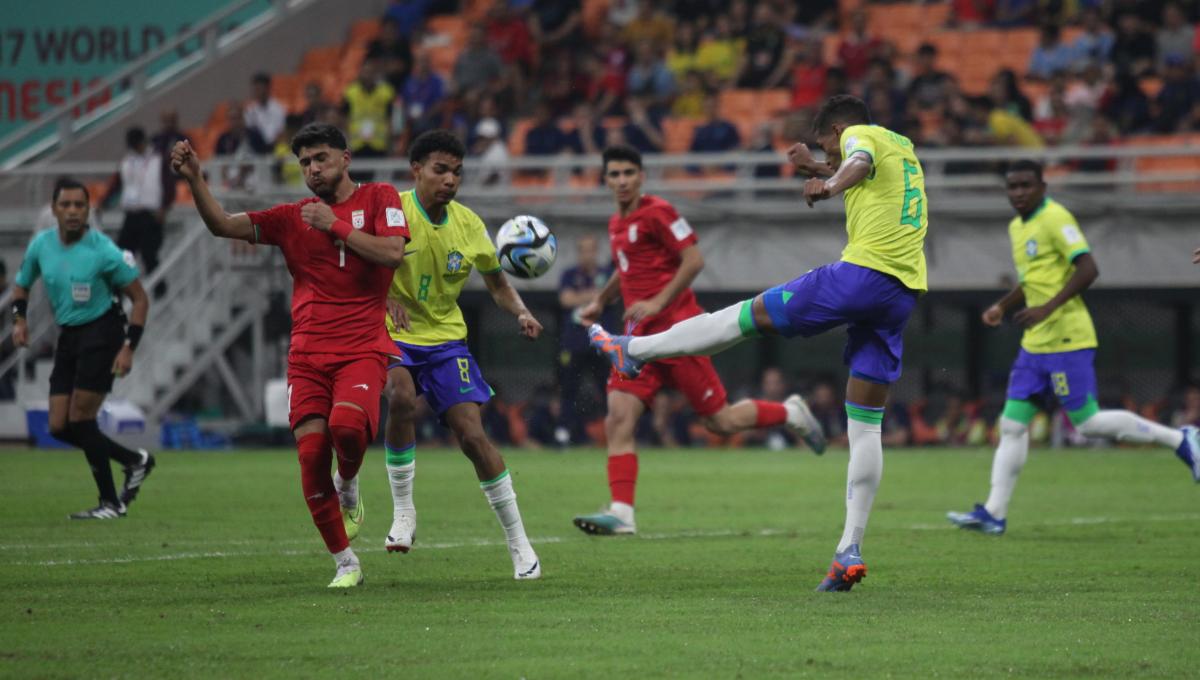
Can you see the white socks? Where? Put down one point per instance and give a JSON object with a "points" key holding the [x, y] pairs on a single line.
{"points": [[345, 558], [1006, 466], [862, 478], [622, 511], [347, 491], [1129, 427], [401, 479], [503, 500], [704, 334]]}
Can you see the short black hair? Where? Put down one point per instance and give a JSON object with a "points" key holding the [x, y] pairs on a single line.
{"points": [[135, 137], [67, 183], [620, 152], [261, 77], [842, 108], [316, 134], [1026, 165], [434, 141], [927, 50]]}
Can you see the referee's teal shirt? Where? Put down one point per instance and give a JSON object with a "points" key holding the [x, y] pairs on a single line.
{"points": [[81, 278]]}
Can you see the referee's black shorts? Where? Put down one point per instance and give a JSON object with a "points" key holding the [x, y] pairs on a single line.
{"points": [[84, 356]]}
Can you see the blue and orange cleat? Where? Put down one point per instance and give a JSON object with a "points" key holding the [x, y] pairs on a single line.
{"points": [[1189, 450], [979, 520], [616, 348], [847, 569]]}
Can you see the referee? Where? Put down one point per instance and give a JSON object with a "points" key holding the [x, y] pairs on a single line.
{"points": [[83, 270]]}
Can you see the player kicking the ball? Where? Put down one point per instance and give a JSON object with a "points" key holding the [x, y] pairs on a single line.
{"points": [[427, 326], [341, 248], [657, 258], [873, 290], [1054, 266]]}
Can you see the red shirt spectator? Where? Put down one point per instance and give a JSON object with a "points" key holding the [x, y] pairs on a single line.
{"points": [[808, 77], [857, 48], [509, 36]]}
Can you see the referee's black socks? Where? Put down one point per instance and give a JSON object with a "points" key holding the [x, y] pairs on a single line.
{"points": [[87, 435]]}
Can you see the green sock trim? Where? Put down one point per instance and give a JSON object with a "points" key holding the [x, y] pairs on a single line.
{"points": [[1020, 410], [746, 320], [500, 477], [401, 456], [1084, 412], [864, 415]]}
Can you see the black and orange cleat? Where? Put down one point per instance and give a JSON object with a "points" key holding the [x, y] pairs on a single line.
{"points": [[847, 569]]}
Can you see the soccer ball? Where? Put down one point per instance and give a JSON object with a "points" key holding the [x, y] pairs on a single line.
{"points": [[526, 247]]}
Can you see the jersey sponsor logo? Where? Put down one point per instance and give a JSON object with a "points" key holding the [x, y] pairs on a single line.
{"points": [[1031, 247], [128, 258], [1071, 234], [633, 233], [394, 217], [681, 229], [454, 262], [358, 218]]}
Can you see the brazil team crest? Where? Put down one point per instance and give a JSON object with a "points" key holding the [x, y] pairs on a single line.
{"points": [[1031, 247], [454, 262]]}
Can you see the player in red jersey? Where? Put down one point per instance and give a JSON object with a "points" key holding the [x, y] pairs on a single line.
{"points": [[655, 259], [341, 248]]}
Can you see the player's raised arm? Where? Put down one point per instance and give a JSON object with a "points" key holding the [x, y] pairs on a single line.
{"points": [[851, 171], [185, 164], [508, 299]]}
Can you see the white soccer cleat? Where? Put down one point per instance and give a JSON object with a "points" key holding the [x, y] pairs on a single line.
{"points": [[526, 566], [400, 537], [800, 420]]}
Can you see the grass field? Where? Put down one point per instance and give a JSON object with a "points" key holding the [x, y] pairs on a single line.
{"points": [[217, 572]]}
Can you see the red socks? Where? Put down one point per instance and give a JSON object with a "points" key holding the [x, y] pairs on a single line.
{"points": [[348, 427], [317, 483], [770, 414], [622, 477]]}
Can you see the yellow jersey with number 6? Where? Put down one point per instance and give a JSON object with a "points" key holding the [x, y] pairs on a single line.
{"points": [[887, 213], [437, 263]]}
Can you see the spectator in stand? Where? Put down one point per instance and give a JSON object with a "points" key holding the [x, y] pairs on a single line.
{"points": [[763, 141], [1052, 116], [809, 75], [1085, 93], [719, 56], [287, 170], [491, 150], [162, 142], [605, 86], [316, 109], [394, 51], [139, 181], [621, 12], [508, 34], [970, 13], [649, 25], [367, 105], [561, 84], [879, 85], [582, 373], [830, 411], [715, 134], [683, 56], [409, 15], [858, 48], [1095, 44], [263, 112], [689, 103], [479, 69], [1007, 95], [1179, 95], [1007, 128], [1051, 56], [649, 80], [836, 82], [1189, 411], [765, 65], [242, 143], [548, 424], [641, 131], [587, 137], [929, 87], [423, 93], [556, 25], [1126, 104], [1174, 38], [544, 137], [739, 17], [885, 114], [1133, 49]]}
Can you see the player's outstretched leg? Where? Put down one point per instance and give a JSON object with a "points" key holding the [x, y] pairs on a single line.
{"points": [[464, 420], [1011, 454], [349, 428], [703, 334], [865, 430], [316, 457], [751, 414], [1129, 427]]}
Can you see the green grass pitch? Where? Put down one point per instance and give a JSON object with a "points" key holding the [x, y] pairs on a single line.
{"points": [[218, 572]]}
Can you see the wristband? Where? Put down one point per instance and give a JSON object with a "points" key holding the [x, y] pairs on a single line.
{"points": [[19, 307], [341, 230], [133, 335]]}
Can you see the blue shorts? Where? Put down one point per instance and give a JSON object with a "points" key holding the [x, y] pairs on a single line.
{"points": [[1069, 376], [446, 374], [876, 307]]}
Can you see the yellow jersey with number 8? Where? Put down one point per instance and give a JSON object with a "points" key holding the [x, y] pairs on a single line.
{"points": [[887, 213], [437, 263]]}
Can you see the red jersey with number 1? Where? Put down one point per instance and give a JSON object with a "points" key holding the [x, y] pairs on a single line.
{"points": [[645, 250], [338, 297]]}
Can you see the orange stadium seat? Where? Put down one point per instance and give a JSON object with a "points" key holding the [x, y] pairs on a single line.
{"points": [[773, 102], [516, 137], [1149, 165], [735, 104], [321, 58], [678, 132], [364, 31]]}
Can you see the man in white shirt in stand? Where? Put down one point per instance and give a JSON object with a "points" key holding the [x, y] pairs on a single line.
{"points": [[263, 112], [139, 180]]}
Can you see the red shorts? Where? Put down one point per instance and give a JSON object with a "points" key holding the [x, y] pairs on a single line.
{"points": [[318, 381], [695, 377]]}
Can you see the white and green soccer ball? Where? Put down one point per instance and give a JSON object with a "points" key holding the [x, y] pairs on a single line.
{"points": [[526, 247]]}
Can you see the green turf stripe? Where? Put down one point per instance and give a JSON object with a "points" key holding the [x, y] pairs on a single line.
{"points": [[746, 320], [499, 477], [1020, 410], [864, 415], [401, 456], [1081, 414]]}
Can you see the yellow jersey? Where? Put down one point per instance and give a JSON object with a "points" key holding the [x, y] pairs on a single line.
{"points": [[887, 213], [1044, 248], [437, 263]]}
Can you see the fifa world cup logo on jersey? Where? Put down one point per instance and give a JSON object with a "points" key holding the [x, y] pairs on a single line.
{"points": [[454, 262]]}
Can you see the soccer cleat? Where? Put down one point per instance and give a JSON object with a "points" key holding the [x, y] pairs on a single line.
{"points": [[400, 537], [527, 567], [1189, 450], [604, 523], [616, 348], [801, 421], [348, 576], [106, 510], [847, 569], [979, 520], [136, 474], [353, 520]]}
